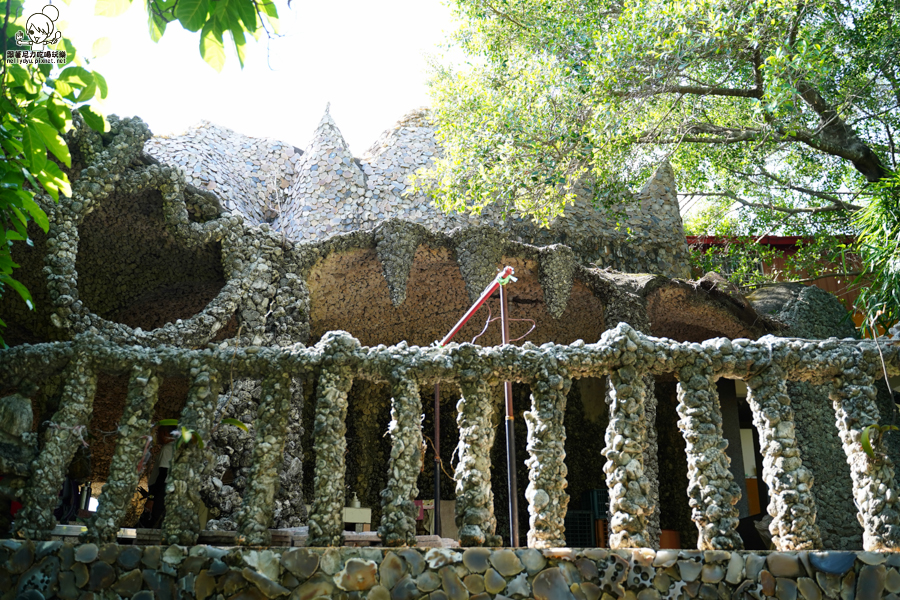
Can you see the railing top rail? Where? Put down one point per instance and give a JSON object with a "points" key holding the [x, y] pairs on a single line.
{"points": [[621, 347]]}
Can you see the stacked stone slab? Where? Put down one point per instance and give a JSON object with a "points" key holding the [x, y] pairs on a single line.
{"points": [[249, 174], [53, 569], [324, 190]]}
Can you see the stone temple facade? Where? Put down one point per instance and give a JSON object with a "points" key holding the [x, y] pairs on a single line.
{"points": [[301, 291]]}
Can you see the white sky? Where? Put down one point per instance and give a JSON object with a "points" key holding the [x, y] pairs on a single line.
{"points": [[365, 57]]}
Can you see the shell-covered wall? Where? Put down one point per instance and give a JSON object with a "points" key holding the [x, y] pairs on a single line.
{"points": [[324, 190], [146, 252]]}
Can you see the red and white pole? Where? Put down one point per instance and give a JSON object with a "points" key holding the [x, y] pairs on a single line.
{"points": [[499, 282]]}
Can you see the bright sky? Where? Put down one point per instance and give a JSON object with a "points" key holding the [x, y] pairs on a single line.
{"points": [[365, 57]]}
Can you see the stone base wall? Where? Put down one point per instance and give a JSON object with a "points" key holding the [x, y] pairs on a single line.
{"points": [[35, 571]]}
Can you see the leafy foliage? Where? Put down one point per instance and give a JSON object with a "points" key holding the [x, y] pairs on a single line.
{"points": [[875, 433], [778, 116], [768, 102], [879, 247], [37, 103]]}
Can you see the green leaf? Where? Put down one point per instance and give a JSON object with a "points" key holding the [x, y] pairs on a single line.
{"points": [[236, 423], [63, 88], [192, 13], [77, 77], [39, 216], [12, 146], [156, 25], [18, 73], [101, 47], [101, 84], [211, 47], [20, 222], [240, 44], [866, 443], [54, 141], [33, 147], [21, 289], [247, 13], [186, 434], [54, 181], [271, 13], [167, 423], [88, 92], [111, 8], [95, 120], [59, 114]]}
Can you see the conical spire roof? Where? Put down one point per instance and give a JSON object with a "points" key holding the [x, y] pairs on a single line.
{"points": [[329, 177], [661, 184]]}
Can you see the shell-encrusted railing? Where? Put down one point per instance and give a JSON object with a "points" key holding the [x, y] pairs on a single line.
{"points": [[629, 358]]}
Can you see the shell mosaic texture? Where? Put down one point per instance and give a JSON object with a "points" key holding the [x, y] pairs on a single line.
{"points": [[240, 246]]}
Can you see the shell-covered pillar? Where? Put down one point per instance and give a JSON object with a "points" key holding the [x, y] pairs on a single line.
{"points": [[67, 430], [270, 432], [546, 492], [792, 504], [398, 509], [630, 498], [326, 520], [134, 434], [474, 496], [712, 490], [182, 521], [874, 488]]}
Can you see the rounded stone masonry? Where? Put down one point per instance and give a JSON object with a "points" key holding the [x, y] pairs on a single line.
{"points": [[874, 484], [398, 509], [711, 488], [630, 504], [622, 352], [792, 505], [474, 498], [263, 216], [546, 495], [53, 569], [326, 521], [270, 431], [125, 470], [323, 191], [65, 433], [181, 524]]}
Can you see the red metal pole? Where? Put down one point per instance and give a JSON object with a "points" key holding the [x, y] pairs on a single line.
{"points": [[488, 291], [498, 282]]}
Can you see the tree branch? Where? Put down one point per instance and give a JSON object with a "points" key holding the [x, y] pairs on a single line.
{"points": [[723, 135], [840, 206], [842, 140], [696, 90], [506, 17], [795, 25], [814, 193]]}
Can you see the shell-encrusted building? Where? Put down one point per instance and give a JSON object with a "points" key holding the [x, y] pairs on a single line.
{"points": [[212, 275]]}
